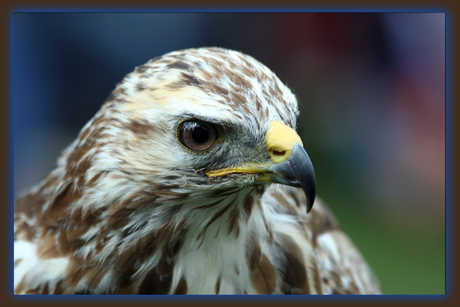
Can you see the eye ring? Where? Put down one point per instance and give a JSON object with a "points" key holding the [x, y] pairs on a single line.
{"points": [[196, 135]]}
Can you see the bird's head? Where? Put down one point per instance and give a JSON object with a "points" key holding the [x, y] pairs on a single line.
{"points": [[200, 120]]}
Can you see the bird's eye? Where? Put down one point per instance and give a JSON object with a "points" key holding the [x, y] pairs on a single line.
{"points": [[197, 135]]}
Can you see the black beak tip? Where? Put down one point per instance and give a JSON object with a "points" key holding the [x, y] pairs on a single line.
{"points": [[310, 195], [309, 188]]}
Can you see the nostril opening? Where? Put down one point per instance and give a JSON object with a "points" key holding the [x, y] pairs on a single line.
{"points": [[279, 153]]}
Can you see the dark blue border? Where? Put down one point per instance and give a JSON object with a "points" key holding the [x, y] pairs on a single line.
{"points": [[230, 9], [448, 190], [227, 298], [10, 153], [255, 298]]}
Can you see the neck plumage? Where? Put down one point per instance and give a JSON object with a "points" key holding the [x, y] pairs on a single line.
{"points": [[167, 237]]}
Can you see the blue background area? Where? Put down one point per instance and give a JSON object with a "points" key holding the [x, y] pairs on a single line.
{"points": [[371, 88]]}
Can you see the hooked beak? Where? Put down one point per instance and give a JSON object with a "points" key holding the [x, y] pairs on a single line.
{"points": [[296, 171], [290, 163]]}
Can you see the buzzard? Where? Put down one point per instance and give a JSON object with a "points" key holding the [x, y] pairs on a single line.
{"points": [[190, 179]]}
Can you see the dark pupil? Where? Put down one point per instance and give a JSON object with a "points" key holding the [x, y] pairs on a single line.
{"points": [[200, 134]]}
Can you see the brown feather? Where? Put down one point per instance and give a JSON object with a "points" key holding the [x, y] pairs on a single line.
{"points": [[262, 272], [295, 272], [181, 286]]}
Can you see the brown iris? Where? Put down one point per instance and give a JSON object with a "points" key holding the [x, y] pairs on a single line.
{"points": [[197, 135]]}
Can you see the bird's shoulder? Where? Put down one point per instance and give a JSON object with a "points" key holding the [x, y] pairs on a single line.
{"points": [[335, 264]]}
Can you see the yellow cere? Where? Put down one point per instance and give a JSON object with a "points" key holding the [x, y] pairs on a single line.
{"points": [[279, 140]]}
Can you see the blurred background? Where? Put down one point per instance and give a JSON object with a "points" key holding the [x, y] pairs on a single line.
{"points": [[371, 88]]}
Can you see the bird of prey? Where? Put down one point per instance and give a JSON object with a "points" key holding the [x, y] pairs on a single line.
{"points": [[190, 179]]}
